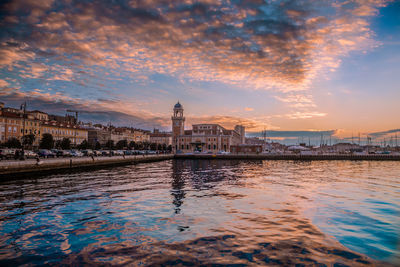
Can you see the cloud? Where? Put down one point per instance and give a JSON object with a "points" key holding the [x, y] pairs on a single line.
{"points": [[385, 133], [118, 112], [295, 134], [248, 109], [305, 115], [3, 83], [97, 111], [282, 44]]}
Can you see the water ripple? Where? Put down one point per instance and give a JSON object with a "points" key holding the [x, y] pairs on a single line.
{"points": [[208, 212]]}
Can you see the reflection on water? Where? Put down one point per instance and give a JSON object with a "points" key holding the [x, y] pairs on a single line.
{"points": [[206, 212]]}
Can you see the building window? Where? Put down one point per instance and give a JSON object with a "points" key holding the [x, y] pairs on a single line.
{"points": [[187, 146], [215, 147], [224, 147], [182, 147], [9, 129], [209, 146]]}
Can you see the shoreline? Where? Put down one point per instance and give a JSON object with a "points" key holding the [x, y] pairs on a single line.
{"points": [[12, 169], [289, 157], [30, 166]]}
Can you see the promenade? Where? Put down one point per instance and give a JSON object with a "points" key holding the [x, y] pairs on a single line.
{"points": [[16, 167], [290, 157]]}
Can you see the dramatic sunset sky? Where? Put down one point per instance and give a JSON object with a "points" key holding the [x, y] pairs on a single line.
{"points": [[304, 66]]}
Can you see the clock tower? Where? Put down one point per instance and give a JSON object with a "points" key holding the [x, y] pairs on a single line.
{"points": [[178, 125]]}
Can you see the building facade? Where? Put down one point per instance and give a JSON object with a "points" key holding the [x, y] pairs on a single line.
{"points": [[12, 125], [59, 131], [161, 138], [203, 137]]}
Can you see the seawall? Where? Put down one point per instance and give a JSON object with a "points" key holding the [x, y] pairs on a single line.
{"points": [[9, 169], [289, 157]]}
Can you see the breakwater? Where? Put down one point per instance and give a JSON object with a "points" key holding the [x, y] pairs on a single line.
{"points": [[290, 157], [10, 168]]}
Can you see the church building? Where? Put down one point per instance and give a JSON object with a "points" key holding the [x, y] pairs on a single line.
{"points": [[203, 137]]}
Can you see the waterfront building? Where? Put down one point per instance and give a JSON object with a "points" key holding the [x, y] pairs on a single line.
{"points": [[246, 149], [103, 134], [39, 115], [98, 134], [12, 125], [161, 138], [60, 130], [141, 136], [203, 137]]}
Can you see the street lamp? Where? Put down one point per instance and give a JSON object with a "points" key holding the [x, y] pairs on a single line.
{"points": [[23, 132]]}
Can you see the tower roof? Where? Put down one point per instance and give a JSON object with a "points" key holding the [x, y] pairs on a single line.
{"points": [[178, 105]]}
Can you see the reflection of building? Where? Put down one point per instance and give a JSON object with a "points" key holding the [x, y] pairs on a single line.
{"points": [[203, 137]]}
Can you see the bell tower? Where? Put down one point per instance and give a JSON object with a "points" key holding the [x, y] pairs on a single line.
{"points": [[178, 125]]}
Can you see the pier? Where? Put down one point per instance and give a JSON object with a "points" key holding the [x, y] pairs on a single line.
{"points": [[290, 157]]}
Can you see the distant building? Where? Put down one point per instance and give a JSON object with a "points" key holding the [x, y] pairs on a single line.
{"points": [[246, 149], [39, 115], [202, 137], [97, 134], [59, 131], [101, 134], [161, 138]]}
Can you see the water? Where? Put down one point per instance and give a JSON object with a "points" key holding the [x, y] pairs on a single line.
{"points": [[332, 213]]}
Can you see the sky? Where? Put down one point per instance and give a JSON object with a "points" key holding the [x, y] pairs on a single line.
{"points": [[331, 67]]}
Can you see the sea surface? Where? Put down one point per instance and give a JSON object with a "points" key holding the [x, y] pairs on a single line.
{"points": [[203, 212]]}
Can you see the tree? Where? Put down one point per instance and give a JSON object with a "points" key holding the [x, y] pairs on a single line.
{"points": [[65, 143], [47, 141], [153, 146], [132, 144], [13, 143], [97, 146], [121, 144], [57, 144], [28, 140], [159, 147], [146, 145], [169, 148], [164, 146], [139, 146], [109, 144], [83, 145]]}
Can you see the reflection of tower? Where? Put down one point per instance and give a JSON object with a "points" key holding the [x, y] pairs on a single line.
{"points": [[178, 125], [178, 184]]}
